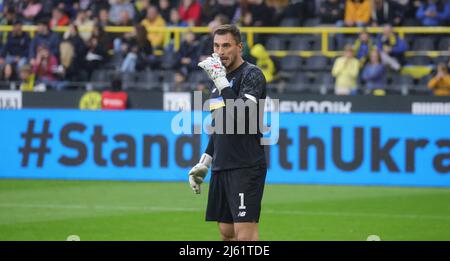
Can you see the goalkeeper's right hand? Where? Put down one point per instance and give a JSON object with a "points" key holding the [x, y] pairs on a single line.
{"points": [[198, 173]]}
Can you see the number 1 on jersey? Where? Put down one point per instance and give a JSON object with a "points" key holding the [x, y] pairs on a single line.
{"points": [[242, 206]]}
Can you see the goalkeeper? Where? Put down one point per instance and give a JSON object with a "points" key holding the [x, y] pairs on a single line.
{"points": [[237, 159]]}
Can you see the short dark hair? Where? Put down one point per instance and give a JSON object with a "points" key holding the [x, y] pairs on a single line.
{"points": [[229, 29]]}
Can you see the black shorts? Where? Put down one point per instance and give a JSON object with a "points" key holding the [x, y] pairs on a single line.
{"points": [[235, 195]]}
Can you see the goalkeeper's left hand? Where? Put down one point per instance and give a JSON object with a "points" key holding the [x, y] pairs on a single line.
{"points": [[198, 173], [216, 71]]}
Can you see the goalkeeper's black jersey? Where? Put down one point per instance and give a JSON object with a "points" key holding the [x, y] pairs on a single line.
{"points": [[234, 151]]}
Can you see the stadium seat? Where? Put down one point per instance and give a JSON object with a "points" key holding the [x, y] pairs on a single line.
{"points": [[298, 78], [423, 44], [147, 80], [316, 63], [275, 43], [441, 59], [422, 86], [197, 77], [347, 39], [168, 60], [400, 83], [167, 76], [398, 79], [310, 40], [312, 22], [444, 44], [114, 62], [291, 63], [315, 42], [290, 22], [299, 44], [99, 76], [418, 60], [411, 22], [324, 82], [298, 83]]}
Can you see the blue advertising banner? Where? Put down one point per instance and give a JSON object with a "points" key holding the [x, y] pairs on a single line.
{"points": [[351, 149]]}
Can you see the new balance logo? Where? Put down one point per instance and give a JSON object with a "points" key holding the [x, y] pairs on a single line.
{"points": [[242, 213]]}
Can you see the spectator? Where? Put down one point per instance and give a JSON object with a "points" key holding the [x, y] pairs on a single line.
{"points": [[411, 8], [139, 51], [190, 11], [72, 35], [84, 4], [261, 14], [141, 8], [44, 37], [331, 12], [433, 13], [187, 55], [448, 63], [84, 22], [374, 74], [8, 77], [47, 8], [278, 8], [31, 11], [247, 19], [69, 7], [154, 20], [346, 69], [392, 48], [16, 48], [264, 62], [387, 12], [26, 78], [124, 19], [74, 57], [362, 47], [180, 81], [118, 7], [45, 66], [98, 47], [96, 5], [175, 19], [211, 8], [8, 16], [69, 70], [164, 8], [116, 99], [440, 84], [357, 12], [59, 18], [103, 18]]}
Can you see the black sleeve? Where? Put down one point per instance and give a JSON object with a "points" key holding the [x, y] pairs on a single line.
{"points": [[252, 87], [210, 149]]}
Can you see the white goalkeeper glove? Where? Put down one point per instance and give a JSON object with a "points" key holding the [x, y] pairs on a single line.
{"points": [[216, 71], [198, 173]]}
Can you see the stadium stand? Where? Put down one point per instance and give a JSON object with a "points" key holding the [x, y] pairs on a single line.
{"points": [[106, 40]]}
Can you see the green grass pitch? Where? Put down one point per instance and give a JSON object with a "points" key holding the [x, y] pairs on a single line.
{"points": [[108, 210]]}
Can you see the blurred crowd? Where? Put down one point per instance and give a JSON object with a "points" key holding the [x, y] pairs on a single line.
{"points": [[55, 60]]}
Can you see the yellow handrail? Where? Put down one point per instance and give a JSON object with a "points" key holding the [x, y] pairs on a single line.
{"points": [[251, 31]]}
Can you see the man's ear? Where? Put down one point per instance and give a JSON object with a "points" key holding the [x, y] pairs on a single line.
{"points": [[241, 45]]}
